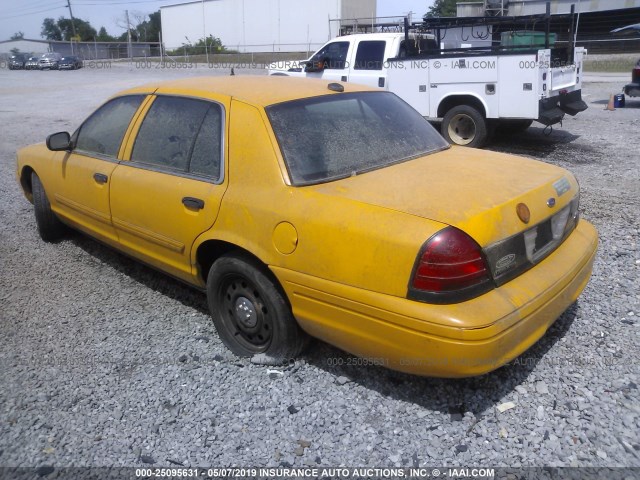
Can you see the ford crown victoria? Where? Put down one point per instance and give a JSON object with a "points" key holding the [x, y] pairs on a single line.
{"points": [[307, 208]]}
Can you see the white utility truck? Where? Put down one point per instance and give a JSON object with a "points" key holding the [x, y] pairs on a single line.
{"points": [[472, 90]]}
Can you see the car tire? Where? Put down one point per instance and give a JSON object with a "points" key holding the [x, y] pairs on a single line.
{"points": [[466, 126], [250, 311], [50, 227]]}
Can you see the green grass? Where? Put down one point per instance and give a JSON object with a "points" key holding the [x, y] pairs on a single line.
{"points": [[611, 63]]}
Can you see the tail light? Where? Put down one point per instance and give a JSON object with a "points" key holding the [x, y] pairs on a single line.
{"points": [[450, 268]]}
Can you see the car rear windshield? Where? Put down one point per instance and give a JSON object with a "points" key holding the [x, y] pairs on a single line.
{"points": [[336, 136]]}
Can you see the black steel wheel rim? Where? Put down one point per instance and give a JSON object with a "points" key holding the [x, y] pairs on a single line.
{"points": [[245, 313]]}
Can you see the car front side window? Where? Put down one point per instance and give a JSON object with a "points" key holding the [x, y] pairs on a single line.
{"points": [[181, 135], [333, 56], [102, 132]]}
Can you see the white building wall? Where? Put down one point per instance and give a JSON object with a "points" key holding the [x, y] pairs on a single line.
{"points": [[257, 25], [24, 46]]}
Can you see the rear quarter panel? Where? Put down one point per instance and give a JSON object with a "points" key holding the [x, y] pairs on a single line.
{"points": [[324, 236]]}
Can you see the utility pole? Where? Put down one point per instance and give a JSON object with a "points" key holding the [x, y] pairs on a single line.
{"points": [[73, 24], [126, 12], [204, 34]]}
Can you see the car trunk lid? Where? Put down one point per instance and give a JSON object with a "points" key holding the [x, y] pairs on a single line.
{"points": [[474, 190]]}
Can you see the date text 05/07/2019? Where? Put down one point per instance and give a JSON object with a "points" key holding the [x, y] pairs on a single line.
{"points": [[315, 472]]}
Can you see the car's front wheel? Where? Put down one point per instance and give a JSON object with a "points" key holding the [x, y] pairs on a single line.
{"points": [[250, 311], [50, 227]]}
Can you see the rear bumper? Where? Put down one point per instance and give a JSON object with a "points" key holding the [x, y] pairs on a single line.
{"points": [[459, 340], [551, 110]]}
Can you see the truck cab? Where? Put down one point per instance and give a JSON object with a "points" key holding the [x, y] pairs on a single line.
{"points": [[358, 58]]}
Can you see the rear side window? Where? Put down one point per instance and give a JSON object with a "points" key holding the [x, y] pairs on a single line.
{"points": [[206, 159], [102, 132], [370, 55], [181, 135]]}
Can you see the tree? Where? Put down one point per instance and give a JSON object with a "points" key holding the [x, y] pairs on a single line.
{"points": [[213, 45], [143, 27], [63, 30], [103, 36], [149, 30], [50, 30], [83, 29], [17, 36], [443, 8]]}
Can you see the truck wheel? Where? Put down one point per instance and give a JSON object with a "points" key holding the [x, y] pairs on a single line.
{"points": [[464, 125], [249, 311], [513, 126], [49, 227]]}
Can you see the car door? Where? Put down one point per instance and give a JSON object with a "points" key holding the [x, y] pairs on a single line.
{"points": [[333, 62], [81, 178], [169, 189], [368, 67]]}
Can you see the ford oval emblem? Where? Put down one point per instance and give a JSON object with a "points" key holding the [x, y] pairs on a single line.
{"points": [[551, 202], [505, 262]]}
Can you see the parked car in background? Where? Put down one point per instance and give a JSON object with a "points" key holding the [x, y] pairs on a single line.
{"points": [[311, 207], [70, 62], [31, 63], [633, 89], [17, 61], [49, 60]]}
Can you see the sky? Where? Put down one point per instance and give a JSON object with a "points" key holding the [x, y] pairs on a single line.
{"points": [[27, 15]]}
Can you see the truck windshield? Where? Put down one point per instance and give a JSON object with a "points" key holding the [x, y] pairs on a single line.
{"points": [[336, 136]]}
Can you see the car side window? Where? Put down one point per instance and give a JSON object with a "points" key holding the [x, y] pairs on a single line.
{"points": [[168, 134], [334, 55], [206, 159], [103, 131], [370, 55]]}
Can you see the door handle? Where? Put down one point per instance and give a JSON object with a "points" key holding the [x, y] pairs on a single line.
{"points": [[100, 177], [195, 203]]}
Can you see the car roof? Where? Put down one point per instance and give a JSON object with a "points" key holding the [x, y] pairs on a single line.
{"points": [[254, 89]]}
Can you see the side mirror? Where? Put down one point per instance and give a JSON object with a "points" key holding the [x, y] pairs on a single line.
{"points": [[59, 142], [315, 65]]}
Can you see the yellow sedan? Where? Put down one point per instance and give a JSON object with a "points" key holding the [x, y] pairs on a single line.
{"points": [[307, 208]]}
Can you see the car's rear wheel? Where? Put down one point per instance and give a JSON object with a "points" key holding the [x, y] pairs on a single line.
{"points": [[250, 311], [464, 125], [50, 227]]}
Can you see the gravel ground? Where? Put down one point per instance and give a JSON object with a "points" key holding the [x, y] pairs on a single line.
{"points": [[104, 362]]}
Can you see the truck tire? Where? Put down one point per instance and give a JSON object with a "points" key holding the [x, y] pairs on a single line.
{"points": [[466, 126]]}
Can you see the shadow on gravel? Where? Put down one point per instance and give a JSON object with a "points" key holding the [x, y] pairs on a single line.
{"points": [[476, 395], [533, 142], [141, 273]]}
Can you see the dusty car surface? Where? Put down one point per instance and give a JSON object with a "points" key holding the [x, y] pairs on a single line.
{"points": [[633, 89], [304, 207]]}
